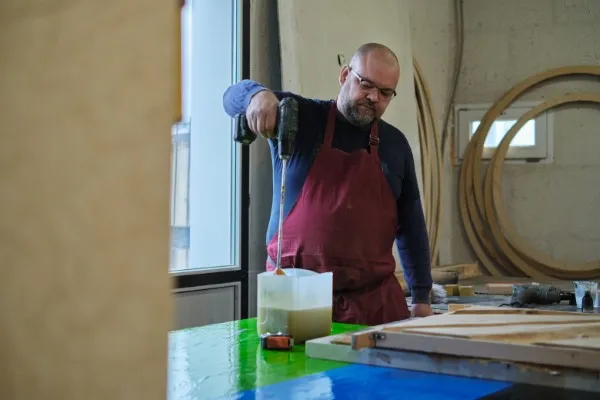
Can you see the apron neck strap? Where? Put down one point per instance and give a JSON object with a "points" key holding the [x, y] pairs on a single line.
{"points": [[330, 129]]}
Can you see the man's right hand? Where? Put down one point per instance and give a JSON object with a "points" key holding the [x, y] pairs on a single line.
{"points": [[261, 113]]}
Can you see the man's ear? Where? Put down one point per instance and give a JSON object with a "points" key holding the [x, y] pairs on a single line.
{"points": [[344, 74]]}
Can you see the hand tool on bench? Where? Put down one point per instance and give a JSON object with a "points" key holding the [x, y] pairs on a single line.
{"points": [[286, 128], [537, 294]]}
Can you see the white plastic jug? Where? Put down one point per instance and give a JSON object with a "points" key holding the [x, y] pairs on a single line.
{"points": [[297, 304]]}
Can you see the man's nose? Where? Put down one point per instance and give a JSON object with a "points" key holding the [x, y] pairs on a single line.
{"points": [[373, 95]]}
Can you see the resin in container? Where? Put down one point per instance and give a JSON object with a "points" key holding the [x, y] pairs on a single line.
{"points": [[298, 304]]}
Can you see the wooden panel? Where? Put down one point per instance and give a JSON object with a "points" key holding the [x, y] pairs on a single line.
{"points": [[515, 333], [506, 334], [589, 344], [427, 361], [87, 95], [450, 320]]}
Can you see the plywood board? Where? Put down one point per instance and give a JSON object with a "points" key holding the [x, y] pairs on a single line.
{"points": [[505, 334], [515, 333], [484, 310], [465, 271], [449, 321], [583, 343], [472, 319], [475, 367], [499, 288]]}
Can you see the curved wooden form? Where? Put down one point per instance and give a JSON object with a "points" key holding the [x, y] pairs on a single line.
{"points": [[431, 161], [521, 255], [511, 257]]}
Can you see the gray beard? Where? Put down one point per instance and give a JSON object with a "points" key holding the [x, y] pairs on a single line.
{"points": [[354, 116]]}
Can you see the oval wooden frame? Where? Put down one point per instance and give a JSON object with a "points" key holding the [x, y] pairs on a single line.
{"points": [[521, 255], [493, 257], [430, 154]]}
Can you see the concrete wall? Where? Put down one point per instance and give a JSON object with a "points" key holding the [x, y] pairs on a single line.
{"points": [[86, 106], [555, 207]]}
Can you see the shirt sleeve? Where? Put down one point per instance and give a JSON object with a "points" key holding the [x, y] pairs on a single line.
{"points": [[237, 96], [412, 240]]}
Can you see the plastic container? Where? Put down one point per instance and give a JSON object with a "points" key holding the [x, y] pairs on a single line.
{"points": [[297, 304], [581, 287]]}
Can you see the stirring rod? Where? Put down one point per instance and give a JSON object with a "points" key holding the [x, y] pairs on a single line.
{"points": [[279, 270]]}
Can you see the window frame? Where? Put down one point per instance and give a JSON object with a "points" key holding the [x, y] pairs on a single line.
{"points": [[542, 151], [237, 272]]}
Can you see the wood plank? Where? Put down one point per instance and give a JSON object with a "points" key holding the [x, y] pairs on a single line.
{"points": [[465, 271], [363, 338], [499, 288], [481, 281], [465, 291], [450, 320], [454, 307], [444, 277], [345, 339], [505, 334], [514, 333], [474, 367], [508, 310], [499, 351], [580, 343]]}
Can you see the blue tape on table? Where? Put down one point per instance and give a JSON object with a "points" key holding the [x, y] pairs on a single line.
{"points": [[364, 382]]}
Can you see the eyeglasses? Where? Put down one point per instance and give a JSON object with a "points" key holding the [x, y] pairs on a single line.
{"points": [[368, 85]]}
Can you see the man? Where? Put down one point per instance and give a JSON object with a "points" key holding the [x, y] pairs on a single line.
{"points": [[351, 190]]}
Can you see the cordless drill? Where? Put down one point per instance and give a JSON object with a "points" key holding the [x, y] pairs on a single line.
{"points": [[527, 294], [286, 128]]}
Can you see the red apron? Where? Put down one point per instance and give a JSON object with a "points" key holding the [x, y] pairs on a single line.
{"points": [[344, 221]]}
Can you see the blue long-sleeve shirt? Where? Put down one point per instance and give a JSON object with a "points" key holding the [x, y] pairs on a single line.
{"points": [[396, 161]]}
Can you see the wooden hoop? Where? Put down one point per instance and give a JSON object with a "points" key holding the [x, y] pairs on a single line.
{"points": [[431, 153], [471, 198], [520, 254]]}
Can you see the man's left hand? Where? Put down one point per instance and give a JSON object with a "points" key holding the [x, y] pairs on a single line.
{"points": [[421, 310]]}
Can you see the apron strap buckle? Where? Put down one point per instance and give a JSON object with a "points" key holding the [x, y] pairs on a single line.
{"points": [[374, 141]]}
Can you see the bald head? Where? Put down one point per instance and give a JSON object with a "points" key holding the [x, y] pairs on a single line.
{"points": [[368, 83], [381, 51]]}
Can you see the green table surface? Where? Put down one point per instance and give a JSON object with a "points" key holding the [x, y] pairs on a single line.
{"points": [[225, 359]]}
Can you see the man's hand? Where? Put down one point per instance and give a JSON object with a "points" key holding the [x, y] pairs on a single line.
{"points": [[261, 113], [421, 310]]}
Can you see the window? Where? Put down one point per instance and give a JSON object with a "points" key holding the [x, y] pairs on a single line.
{"points": [[206, 162], [532, 142]]}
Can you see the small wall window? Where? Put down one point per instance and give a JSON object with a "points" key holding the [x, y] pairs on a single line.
{"points": [[532, 143]]}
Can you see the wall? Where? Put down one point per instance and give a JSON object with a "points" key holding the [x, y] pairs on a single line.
{"points": [[554, 207], [87, 102]]}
